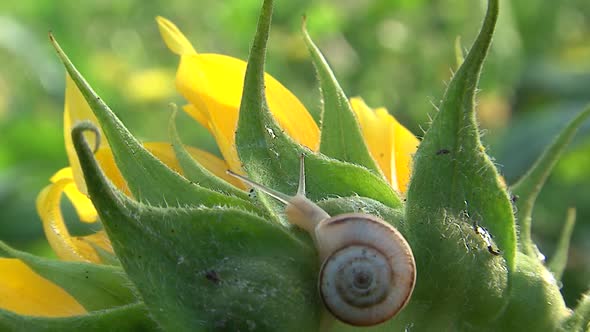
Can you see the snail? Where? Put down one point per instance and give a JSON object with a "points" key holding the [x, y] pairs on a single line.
{"points": [[367, 273]]}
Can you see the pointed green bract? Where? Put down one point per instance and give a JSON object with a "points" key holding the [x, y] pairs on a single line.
{"points": [[579, 320], [132, 317], [95, 287], [193, 170], [147, 177], [272, 158], [459, 56], [341, 136], [207, 268], [451, 169], [559, 259], [529, 186], [462, 223]]}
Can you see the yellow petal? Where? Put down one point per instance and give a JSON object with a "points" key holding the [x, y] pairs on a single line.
{"points": [[174, 38], [58, 236], [24, 292], [76, 109], [99, 239], [213, 84], [198, 114], [82, 204], [215, 165], [106, 160], [405, 146], [389, 142], [378, 133]]}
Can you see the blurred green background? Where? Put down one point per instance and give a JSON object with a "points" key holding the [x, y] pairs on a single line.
{"points": [[394, 53]]}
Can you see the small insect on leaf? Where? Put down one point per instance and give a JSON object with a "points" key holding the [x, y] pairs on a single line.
{"points": [[487, 238], [443, 151]]}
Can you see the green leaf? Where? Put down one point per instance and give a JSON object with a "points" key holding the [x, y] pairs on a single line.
{"points": [[193, 170], [147, 177], [272, 158], [559, 260], [218, 268], [95, 287], [132, 317], [458, 210], [341, 134], [529, 186]]}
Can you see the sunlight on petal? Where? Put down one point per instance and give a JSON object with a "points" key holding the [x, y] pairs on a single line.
{"points": [[25, 292], [58, 236]]}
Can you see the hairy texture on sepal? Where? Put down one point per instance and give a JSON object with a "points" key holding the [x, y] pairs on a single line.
{"points": [[462, 227], [207, 268]]}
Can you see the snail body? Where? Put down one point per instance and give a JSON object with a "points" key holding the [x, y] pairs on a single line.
{"points": [[367, 272]]}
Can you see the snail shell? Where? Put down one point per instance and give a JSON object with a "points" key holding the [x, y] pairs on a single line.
{"points": [[368, 270]]}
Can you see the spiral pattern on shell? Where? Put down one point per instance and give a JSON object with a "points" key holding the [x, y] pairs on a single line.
{"points": [[368, 271]]}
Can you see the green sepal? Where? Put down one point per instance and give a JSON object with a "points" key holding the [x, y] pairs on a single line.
{"points": [[340, 205], [148, 178], [579, 320], [460, 217], [94, 286], [272, 158], [200, 268], [193, 170], [341, 136], [534, 303], [558, 262], [131, 317], [106, 257], [459, 54], [529, 186]]}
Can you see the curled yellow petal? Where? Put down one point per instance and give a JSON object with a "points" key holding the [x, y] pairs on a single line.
{"points": [[24, 292], [58, 236], [99, 239], [84, 207], [174, 38], [213, 84], [389, 142]]}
